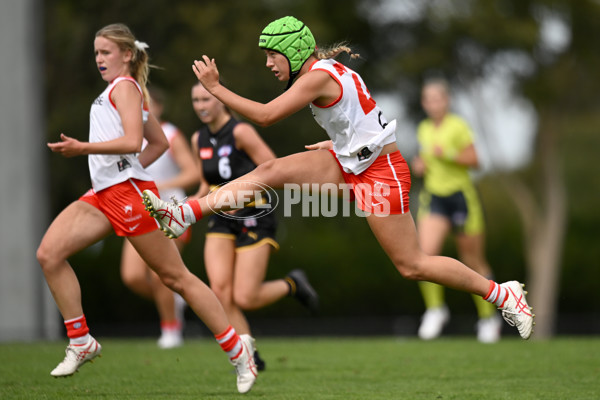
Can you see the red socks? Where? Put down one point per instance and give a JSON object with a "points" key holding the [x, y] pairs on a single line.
{"points": [[230, 342], [497, 295], [77, 327], [170, 325], [77, 331], [195, 206]]}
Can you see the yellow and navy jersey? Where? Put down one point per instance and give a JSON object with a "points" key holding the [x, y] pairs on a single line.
{"points": [[443, 175]]}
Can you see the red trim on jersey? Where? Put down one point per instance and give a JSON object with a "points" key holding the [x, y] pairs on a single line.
{"points": [[127, 78], [366, 103], [338, 82]]}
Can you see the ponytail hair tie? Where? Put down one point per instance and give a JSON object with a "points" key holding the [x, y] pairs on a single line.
{"points": [[141, 45]]}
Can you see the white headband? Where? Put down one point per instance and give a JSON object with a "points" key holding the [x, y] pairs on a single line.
{"points": [[141, 45]]}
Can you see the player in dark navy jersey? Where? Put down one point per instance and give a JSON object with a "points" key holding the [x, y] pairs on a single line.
{"points": [[238, 244]]}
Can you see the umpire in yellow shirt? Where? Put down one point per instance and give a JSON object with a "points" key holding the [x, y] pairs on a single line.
{"points": [[449, 203]]}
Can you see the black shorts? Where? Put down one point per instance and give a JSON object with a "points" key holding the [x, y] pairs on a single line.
{"points": [[247, 232], [462, 209]]}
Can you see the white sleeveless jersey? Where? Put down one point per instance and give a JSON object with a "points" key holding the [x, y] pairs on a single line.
{"points": [[354, 122], [165, 167], [105, 124]]}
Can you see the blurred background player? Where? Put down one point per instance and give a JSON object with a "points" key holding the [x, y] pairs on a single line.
{"points": [[173, 172], [449, 202], [238, 244]]}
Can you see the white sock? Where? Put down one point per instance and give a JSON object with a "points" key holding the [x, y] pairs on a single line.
{"points": [[497, 294], [80, 340], [188, 213]]}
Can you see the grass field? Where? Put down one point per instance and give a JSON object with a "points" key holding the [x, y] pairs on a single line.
{"points": [[315, 368]]}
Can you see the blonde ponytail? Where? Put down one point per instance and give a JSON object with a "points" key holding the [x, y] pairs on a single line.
{"points": [[334, 51]]}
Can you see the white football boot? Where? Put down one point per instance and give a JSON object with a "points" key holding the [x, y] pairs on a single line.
{"points": [[516, 311], [170, 339], [76, 356], [433, 322], [245, 367], [169, 215], [489, 329]]}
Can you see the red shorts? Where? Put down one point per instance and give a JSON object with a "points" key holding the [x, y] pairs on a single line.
{"points": [[122, 204], [383, 188]]}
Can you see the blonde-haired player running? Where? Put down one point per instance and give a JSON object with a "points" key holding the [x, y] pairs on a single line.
{"points": [[118, 121]]}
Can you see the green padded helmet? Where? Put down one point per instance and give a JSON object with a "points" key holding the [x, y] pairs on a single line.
{"points": [[291, 38]]}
